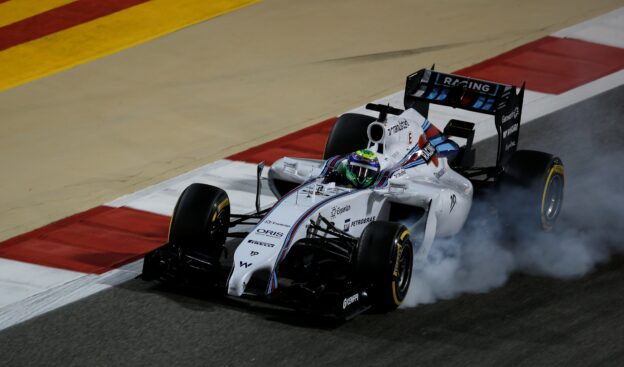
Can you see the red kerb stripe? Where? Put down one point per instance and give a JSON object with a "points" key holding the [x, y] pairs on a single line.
{"points": [[58, 19], [305, 143], [94, 241], [550, 65]]}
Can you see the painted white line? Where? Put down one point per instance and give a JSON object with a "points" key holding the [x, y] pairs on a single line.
{"points": [[19, 280], [551, 103], [607, 29], [65, 293], [238, 179], [126, 199]]}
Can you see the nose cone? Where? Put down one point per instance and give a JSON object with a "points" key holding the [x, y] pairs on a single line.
{"points": [[256, 254], [238, 280]]}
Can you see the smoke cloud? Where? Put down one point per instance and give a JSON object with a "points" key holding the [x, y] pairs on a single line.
{"points": [[588, 232]]}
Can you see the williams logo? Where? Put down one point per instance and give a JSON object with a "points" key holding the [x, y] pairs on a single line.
{"points": [[269, 233], [244, 264]]}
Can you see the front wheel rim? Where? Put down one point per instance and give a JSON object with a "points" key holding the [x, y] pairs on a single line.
{"points": [[405, 269]]}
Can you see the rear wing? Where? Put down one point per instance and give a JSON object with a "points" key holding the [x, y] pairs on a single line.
{"points": [[501, 100]]}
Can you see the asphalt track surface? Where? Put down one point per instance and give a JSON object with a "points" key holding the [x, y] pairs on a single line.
{"points": [[529, 321]]}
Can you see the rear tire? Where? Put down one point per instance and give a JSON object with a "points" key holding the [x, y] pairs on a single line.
{"points": [[384, 262], [348, 135], [534, 183], [201, 219]]}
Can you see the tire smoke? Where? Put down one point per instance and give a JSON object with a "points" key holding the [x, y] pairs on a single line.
{"points": [[482, 257]]}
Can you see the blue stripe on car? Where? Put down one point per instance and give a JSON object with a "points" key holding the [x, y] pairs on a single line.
{"points": [[293, 229]]}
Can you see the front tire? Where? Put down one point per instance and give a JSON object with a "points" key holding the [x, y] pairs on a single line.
{"points": [[201, 220], [384, 263]]}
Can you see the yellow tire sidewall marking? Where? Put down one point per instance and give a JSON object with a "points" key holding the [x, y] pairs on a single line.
{"points": [[555, 169], [223, 204], [394, 294], [395, 273]]}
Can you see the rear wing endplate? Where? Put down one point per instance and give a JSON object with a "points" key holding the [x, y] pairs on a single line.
{"points": [[500, 100]]}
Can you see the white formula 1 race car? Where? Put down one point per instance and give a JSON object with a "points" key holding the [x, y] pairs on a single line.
{"points": [[337, 240]]}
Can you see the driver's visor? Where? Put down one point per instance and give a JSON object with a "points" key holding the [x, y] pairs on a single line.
{"points": [[362, 170]]}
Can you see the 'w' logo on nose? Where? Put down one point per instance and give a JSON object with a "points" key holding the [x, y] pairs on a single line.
{"points": [[244, 264]]}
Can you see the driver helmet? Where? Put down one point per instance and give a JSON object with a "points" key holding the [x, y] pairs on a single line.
{"points": [[362, 168]]}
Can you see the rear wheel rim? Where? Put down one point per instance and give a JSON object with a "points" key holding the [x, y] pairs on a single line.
{"points": [[554, 193]]}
